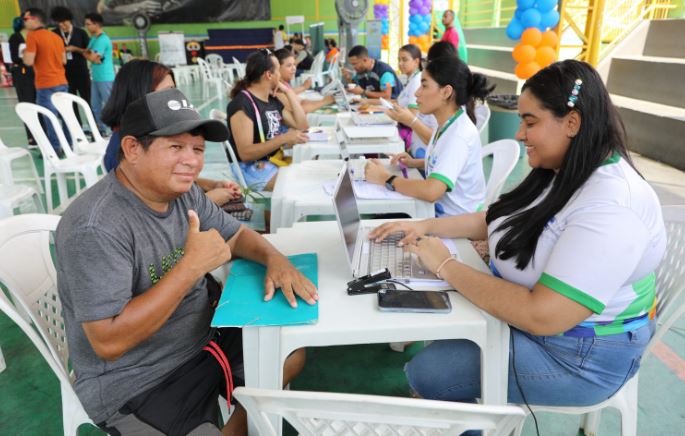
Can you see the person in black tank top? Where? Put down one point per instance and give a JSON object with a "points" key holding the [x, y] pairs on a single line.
{"points": [[260, 123]]}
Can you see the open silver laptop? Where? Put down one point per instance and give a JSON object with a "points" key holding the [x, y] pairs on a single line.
{"points": [[366, 256]]}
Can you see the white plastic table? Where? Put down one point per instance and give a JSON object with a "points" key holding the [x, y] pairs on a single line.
{"points": [[346, 320], [310, 150], [299, 192]]}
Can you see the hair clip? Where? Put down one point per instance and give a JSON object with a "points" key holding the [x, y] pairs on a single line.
{"points": [[573, 98]]}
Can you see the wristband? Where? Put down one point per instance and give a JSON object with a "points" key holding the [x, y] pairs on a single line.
{"points": [[444, 262], [416, 117]]}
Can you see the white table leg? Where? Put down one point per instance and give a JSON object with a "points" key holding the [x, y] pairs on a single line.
{"points": [[263, 369]]}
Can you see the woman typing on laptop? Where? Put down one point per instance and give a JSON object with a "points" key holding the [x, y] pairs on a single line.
{"points": [[573, 253], [454, 171]]}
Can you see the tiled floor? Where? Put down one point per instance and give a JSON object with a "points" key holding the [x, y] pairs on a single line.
{"points": [[30, 399]]}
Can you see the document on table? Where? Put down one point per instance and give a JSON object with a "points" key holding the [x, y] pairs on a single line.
{"points": [[318, 135], [368, 191], [242, 301]]}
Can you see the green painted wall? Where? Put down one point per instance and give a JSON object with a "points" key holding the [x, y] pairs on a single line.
{"points": [[477, 13], [315, 11]]}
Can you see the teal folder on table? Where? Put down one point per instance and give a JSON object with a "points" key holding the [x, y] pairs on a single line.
{"points": [[242, 301]]}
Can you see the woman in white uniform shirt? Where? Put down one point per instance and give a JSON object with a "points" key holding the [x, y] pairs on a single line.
{"points": [[574, 249], [409, 62], [454, 171]]}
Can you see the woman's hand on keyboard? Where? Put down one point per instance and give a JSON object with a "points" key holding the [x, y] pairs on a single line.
{"points": [[413, 231], [431, 252]]}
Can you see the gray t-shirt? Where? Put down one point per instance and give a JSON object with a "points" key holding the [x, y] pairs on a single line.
{"points": [[111, 248]]}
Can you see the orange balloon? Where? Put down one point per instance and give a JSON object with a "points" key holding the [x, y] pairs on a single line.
{"points": [[412, 39], [549, 39], [423, 38], [524, 71], [523, 53], [545, 56], [531, 36]]}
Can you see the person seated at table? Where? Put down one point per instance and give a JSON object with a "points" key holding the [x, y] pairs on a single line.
{"points": [[573, 252], [303, 59], [331, 50], [287, 69], [410, 63], [374, 78], [422, 126], [259, 123], [453, 166], [134, 255], [135, 79]]}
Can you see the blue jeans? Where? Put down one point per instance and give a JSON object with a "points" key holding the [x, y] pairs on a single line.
{"points": [[258, 173], [99, 94], [552, 370], [43, 98]]}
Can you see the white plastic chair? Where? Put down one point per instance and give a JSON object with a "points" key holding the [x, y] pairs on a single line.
{"points": [[64, 102], [332, 72], [327, 414], [316, 71], [670, 289], [14, 196], [216, 64], [216, 114], [482, 112], [9, 155], [505, 153], [209, 80], [27, 270], [239, 67], [85, 164]]}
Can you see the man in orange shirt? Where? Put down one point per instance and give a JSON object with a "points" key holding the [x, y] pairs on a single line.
{"points": [[45, 52]]}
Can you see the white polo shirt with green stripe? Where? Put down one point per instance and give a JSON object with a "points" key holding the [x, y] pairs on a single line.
{"points": [[407, 98], [600, 250], [453, 158]]}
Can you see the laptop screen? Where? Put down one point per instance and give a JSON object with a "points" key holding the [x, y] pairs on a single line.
{"points": [[346, 212], [341, 98]]}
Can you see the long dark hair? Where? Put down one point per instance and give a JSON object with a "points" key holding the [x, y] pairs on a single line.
{"points": [[467, 86], [282, 54], [256, 65], [601, 134], [414, 52], [440, 49], [135, 79]]}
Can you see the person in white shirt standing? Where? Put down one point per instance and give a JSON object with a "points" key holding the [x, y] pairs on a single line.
{"points": [[574, 249], [454, 170]]}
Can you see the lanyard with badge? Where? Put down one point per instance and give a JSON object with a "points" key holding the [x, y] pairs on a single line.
{"points": [[278, 158], [440, 132], [66, 39]]}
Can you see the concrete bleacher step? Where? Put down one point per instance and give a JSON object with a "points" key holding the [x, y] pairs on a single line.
{"points": [[492, 57], [490, 54], [654, 130], [666, 38], [506, 83], [493, 36], [650, 78]]}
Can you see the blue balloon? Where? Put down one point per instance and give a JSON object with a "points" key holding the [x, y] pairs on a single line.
{"points": [[518, 13], [514, 29], [531, 18], [549, 19], [525, 4], [546, 5]]}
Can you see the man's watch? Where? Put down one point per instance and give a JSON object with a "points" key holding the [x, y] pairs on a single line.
{"points": [[388, 183]]}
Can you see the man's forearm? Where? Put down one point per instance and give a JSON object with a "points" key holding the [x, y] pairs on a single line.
{"points": [[250, 245], [143, 315]]}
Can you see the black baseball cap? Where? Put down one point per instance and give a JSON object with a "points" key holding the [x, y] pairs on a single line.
{"points": [[168, 113]]}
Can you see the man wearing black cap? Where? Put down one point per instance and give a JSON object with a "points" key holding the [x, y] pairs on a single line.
{"points": [[133, 254]]}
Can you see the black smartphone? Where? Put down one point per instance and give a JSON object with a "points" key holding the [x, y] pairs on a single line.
{"points": [[371, 289], [413, 301]]}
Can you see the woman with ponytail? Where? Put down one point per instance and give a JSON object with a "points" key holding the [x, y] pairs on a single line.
{"points": [[259, 123], [454, 170], [573, 252]]}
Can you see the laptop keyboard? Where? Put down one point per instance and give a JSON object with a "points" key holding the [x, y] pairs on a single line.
{"points": [[386, 254]]}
